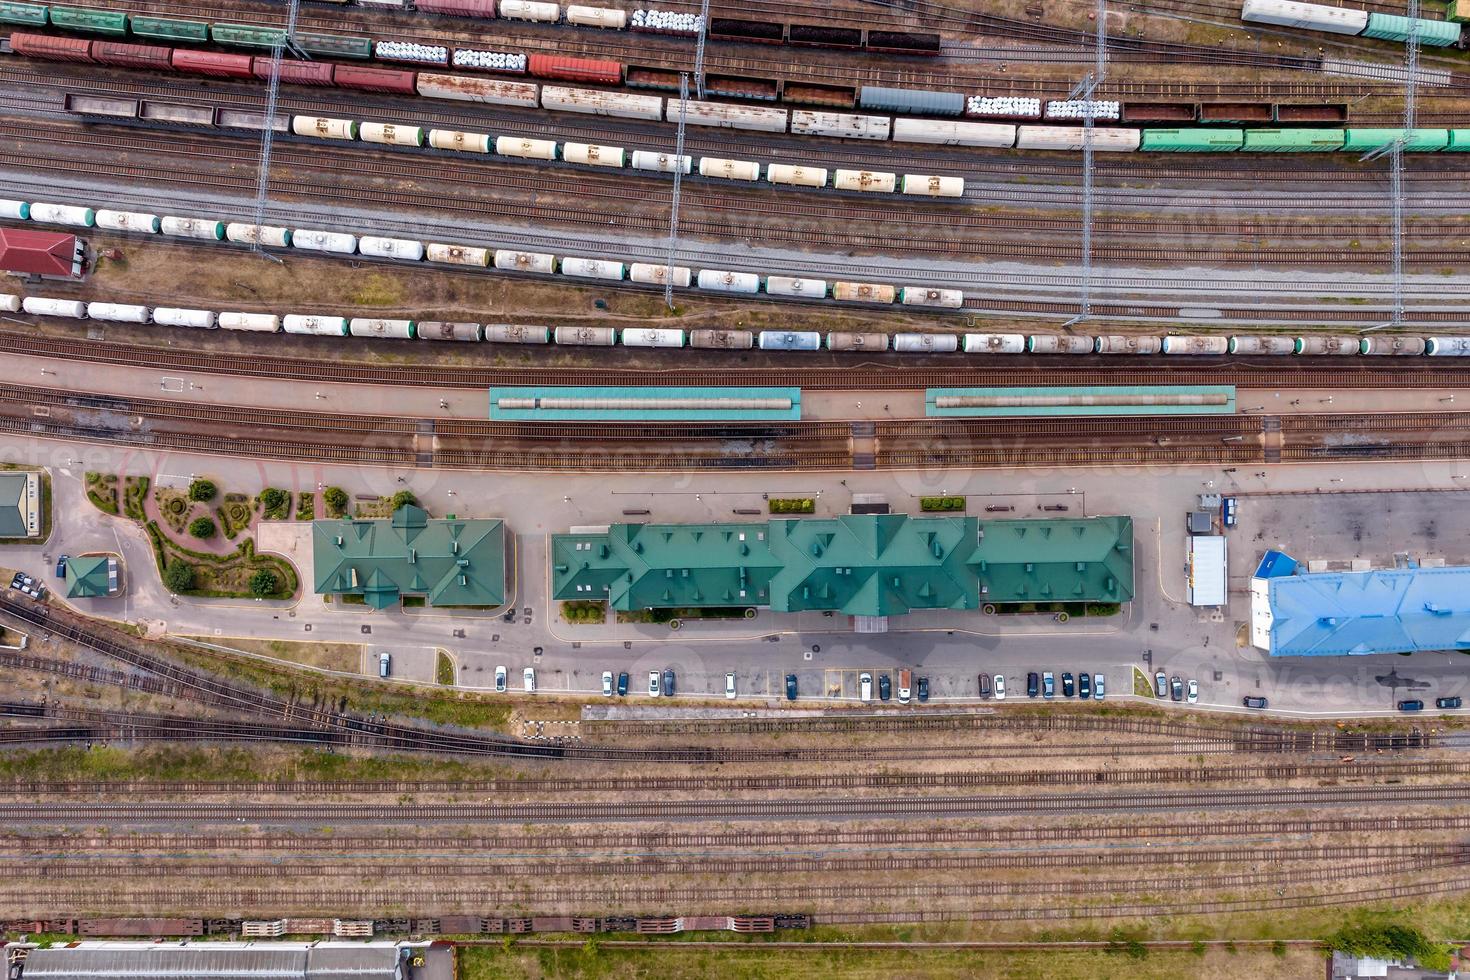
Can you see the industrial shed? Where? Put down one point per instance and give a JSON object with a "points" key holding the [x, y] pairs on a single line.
{"points": [[40, 253], [217, 961]]}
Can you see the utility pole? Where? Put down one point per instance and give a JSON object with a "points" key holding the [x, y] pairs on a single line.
{"points": [[268, 128], [699, 48], [1395, 151], [1086, 90], [678, 182]]}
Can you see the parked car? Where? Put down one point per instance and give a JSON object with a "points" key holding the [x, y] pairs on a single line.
{"points": [[1161, 685], [668, 682], [1193, 696], [622, 683], [61, 562], [1048, 684], [1099, 686], [500, 679], [1254, 702], [865, 686], [985, 685], [1068, 688], [607, 683], [923, 689], [385, 665], [1176, 688], [790, 687], [1414, 705], [528, 680], [1084, 686], [1033, 684], [885, 687], [1000, 687], [653, 683], [1447, 702], [730, 685], [905, 685]]}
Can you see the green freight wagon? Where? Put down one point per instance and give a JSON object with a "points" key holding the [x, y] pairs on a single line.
{"points": [[24, 14], [1459, 141], [1391, 27], [1192, 140], [1292, 140], [1420, 140], [89, 21], [167, 29], [1458, 10], [336, 45], [247, 36]]}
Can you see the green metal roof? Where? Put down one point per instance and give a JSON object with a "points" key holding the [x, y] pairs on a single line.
{"points": [[13, 505], [1087, 559], [666, 566], [87, 577], [451, 562]]}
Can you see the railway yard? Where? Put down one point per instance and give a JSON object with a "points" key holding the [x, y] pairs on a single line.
{"points": [[498, 488]]}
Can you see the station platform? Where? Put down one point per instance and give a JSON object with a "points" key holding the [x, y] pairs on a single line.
{"points": [[644, 403], [1096, 400]]}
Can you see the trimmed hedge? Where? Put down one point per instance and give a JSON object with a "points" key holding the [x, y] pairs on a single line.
{"points": [[793, 505], [941, 503]]}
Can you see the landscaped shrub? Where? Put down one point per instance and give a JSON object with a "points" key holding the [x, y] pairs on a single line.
{"points": [[404, 498], [202, 491], [941, 503], [202, 527], [336, 500], [178, 576], [274, 502], [793, 505], [263, 583]]}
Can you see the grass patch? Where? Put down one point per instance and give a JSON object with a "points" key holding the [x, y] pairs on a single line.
{"points": [[1072, 609], [306, 507], [444, 668], [234, 514], [413, 602], [102, 491], [941, 503], [345, 657], [135, 492], [175, 508], [584, 611], [378, 290], [1142, 686], [793, 505], [222, 576]]}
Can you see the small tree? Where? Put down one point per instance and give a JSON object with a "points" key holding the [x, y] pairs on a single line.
{"points": [[202, 490], [178, 576], [202, 527], [273, 499], [403, 498], [263, 583], [336, 500]]}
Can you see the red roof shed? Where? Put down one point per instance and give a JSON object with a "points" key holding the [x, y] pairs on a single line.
{"points": [[39, 253]]}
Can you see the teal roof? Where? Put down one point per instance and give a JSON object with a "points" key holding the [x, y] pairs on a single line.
{"points": [[1085, 559], [645, 403], [666, 566], [451, 562], [1083, 400], [13, 523], [88, 577]]}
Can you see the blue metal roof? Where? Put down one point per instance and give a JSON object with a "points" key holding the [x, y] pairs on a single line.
{"points": [[1386, 611], [1275, 564]]}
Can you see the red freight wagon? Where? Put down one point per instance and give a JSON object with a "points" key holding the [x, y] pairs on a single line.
{"points": [[51, 48], [212, 64], [464, 8], [295, 72], [375, 79], [576, 69], [154, 56]]}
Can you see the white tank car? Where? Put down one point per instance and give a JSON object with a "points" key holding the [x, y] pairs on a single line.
{"points": [[375, 327], [863, 292], [595, 102], [521, 146], [454, 139], [844, 125], [606, 17], [591, 269], [391, 248], [42, 306], [652, 337], [515, 333], [15, 209], [948, 132], [785, 173], [9, 303], [313, 240], [933, 185], [657, 275], [593, 154], [729, 169], [256, 322], [172, 316], [1447, 347], [464, 88], [1039, 343], [63, 214], [391, 134], [457, 254], [1310, 16], [995, 343], [320, 127], [722, 339], [1104, 139], [450, 331], [928, 296], [546, 13], [1396, 346], [665, 163], [149, 224], [795, 286], [872, 181], [1328, 346], [726, 115], [926, 343], [1262, 345], [204, 228], [1127, 344], [586, 336], [510, 261], [237, 231], [117, 312], [1180, 344], [315, 326], [857, 341], [721, 281]]}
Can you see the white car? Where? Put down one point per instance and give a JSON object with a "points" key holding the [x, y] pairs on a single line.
{"points": [[528, 679], [1098, 690], [1193, 691], [500, 679], [607, 683], [865, 686], [653, 683], [730, 686], [1000, 687]]}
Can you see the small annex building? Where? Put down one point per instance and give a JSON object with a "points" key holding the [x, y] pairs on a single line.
{"points": [[46, 254], [20, 504], [327, 960], [91, 576], [449, 561]]}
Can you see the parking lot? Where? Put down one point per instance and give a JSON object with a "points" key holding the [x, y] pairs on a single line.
{"points": [[1344, 526]]}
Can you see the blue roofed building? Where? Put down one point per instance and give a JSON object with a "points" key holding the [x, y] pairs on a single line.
{"points": [[1334, 614]]}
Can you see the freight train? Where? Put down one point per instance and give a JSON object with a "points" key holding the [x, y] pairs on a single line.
{"points": [[1347, 20]]}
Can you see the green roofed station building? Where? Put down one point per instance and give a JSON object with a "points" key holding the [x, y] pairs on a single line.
{"points": [[448, 561], [91, 576], [869, 566]]}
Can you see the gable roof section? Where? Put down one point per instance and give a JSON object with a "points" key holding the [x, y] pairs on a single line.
{"points": [[1087, 559], [1384, 611], [452, 562], [13, 522], [41, 253], [87, 577]]}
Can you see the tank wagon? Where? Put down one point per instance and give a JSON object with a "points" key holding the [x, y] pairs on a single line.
{"points": [[1344, 20]]}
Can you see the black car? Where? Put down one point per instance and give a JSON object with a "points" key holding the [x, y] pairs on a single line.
{"points": [[790, 687], [668, 690], [1084, 685], [985, 685], [1068, 688], [1447, 702], [1254, 702], [923, 689], [885, 687], [1176, 688], [1411, 705], [1033, 684], [623, 684]]}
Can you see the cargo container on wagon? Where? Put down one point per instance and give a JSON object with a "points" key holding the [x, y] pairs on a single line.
{"points": [[1393, 346], [378, 327], [204, 228], [586, 336], [863, 292], [63, 214], [1126, 344], [870, 181], [783, 173], [729, 169], [457, 254], [789, 340], [172, 316], [1180, 344], [391, 248], [665, 163], [9, 303], [1058, 344], [515, 333], [722, 339], [546, 13], [145, 56], [460, 8], [174, 114], [148, 224], [51, 48], [995, 343], [1292, 140], [321, 127], [911, 101], [212, 64], [1311, 16], [489, 91], [411, 53], [652, 337], [1318, 345], [118, 312], [605, 17], [576, 69], [595, 102], [844, 125], [88, 21], [391, 80], [1104, 138], [726, 115], [724, 281], [926, 343], [929, 296], [946, 132], [930, 185], [447, 330], [246, 36], [72, 309], [840, 340], [1447, 346], [1367, 140], [522, 146], [1191, 140], [295, 72], [237, 231], [169, 29], [512, 261], [593, 155], [391, 134], [453, 139], [254, 322], [24, 14], [591, 268], [1262, 345], [796, 286], [313, 240], [1394, 27], [314, 326], [15, 209], [656, 275], [1459, 141]]}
